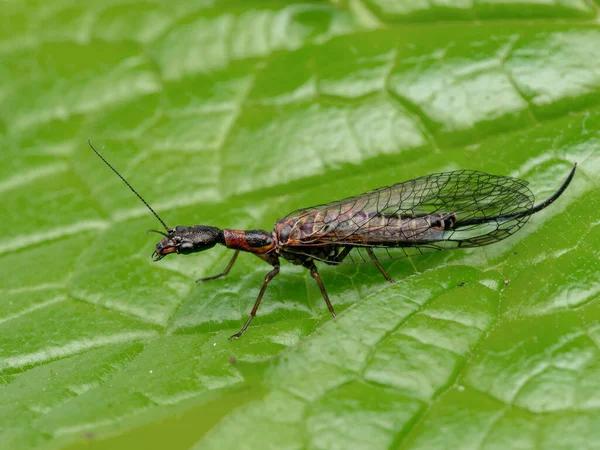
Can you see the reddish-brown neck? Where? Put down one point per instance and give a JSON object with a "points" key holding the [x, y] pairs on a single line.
{"points": [[254, 241]]}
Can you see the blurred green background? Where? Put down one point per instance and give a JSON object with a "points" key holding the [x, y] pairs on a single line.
{"points": [[235, 113]]}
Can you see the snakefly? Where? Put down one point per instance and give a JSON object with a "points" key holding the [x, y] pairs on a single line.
{"points": [[459, 209]]}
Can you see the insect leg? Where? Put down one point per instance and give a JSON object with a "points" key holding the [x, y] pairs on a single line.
{"points": [[343, 254], [272, 274], [313, 273], [225, 272], [378, 264], [340, 257]]}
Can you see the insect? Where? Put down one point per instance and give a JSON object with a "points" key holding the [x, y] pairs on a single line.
{"points": [[442, 211]]}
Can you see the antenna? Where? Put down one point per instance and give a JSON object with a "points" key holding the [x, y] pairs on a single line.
{"points": [[128, 185]]}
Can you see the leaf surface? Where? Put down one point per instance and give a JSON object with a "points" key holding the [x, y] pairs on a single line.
{"points": [[234, 115]]}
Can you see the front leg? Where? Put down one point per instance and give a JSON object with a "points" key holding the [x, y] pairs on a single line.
{"points": [[272, 274], [222, 274]]}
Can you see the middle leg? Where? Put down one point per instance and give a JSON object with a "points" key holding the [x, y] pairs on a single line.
{"points": [[310, 265], [378, 264]]}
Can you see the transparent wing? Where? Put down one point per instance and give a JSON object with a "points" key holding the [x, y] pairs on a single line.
{"points": [[441, 211]]}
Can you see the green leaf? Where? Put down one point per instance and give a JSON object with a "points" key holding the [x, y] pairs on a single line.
{"points": [[236, 114]]}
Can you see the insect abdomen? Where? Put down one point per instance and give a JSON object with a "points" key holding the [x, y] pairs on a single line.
{"points": [[362, 228]]}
